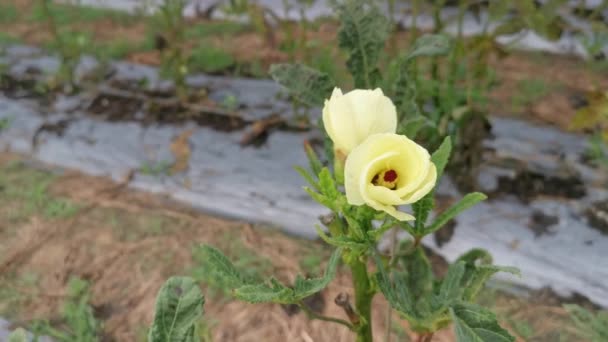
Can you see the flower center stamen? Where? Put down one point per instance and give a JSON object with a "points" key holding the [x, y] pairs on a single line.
{"points": [[387, 179]]}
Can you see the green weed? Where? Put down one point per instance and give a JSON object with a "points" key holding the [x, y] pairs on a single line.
{"points": [[69, 14], [214, 29], [28, 190], [79, 321], [210, 59], [8, 13], [593, 326], [530, 91], [156, 169], [7, 38]]}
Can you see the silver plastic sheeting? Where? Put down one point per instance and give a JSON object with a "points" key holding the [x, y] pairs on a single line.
{"points": [[473, 24], [259, 184]]}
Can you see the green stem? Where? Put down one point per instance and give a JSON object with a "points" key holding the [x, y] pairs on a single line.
{"points": [[363, 299]]}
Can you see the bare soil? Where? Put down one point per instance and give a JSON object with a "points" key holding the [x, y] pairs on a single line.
{"points": [[127, 243]]}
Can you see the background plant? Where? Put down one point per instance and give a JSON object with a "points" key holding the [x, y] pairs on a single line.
{"points": [[169, 27], [79, 322]]}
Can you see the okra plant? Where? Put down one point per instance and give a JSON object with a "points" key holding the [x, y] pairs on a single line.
{"points": [[372, 168]]}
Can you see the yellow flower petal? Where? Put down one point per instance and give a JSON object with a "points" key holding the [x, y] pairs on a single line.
{"points": [[406, 167]]}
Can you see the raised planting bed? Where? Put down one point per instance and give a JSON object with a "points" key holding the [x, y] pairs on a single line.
{"points": [[545, 212]]}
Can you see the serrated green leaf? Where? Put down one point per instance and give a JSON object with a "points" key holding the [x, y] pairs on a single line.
{"points": [[465, 203], [263, 293], [341, 241], [476, 256], [422, 209], [430, 45], [451, 286], [179, 306], [411, 127], [19, 335], [397, 295], [363, 33], [276, 292], [313, 160], [321, 199], [442, 155], [418, 273], [474, 323], [307, 287], [307, 177], [327, 184], [221, 267], [307, 85], [478, 277]]}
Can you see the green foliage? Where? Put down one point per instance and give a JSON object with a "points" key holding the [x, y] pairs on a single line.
{"points": [[66, 14], [8, 13], [169, 27], [7, 38], [426, 302], [156, 169], [80, 322], [271, 290], [463, 204], [363, 32], [247, 263], [209, 59], [307, 85], [214, 29], [589, 325], [529, 91], [473, 323], [19, 335], [33, 195], [179, 307], [423, 207]]}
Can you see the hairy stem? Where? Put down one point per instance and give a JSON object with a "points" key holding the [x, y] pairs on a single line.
{"points": [[363, 300]]}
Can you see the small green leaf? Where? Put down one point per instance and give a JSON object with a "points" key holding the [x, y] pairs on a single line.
{"points": [[315, 164], [221, 267], [307, 287], [327, 184], [321, 199], [430, 45], [308, 177], [411, 127], [341, 241], [263, 293], [465, 203], [363, 33], [19, 335], [442, 155], [478, 277], [179, 306], [474, 323], [307, 85]]}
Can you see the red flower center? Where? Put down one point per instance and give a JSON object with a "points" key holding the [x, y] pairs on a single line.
{"points": [[390, 176]]}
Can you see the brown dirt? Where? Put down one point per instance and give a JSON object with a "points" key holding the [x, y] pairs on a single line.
{"points": [[127, 265], [116, 242]]}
